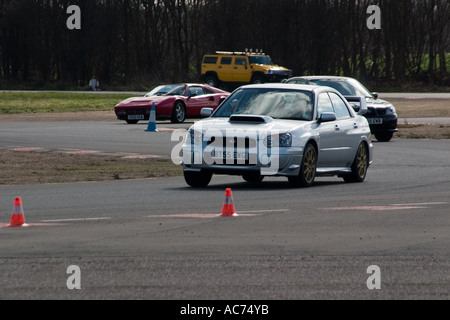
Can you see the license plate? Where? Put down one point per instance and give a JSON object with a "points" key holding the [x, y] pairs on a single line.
{"points": [[226, 155], [375, 121], [136, 117]]}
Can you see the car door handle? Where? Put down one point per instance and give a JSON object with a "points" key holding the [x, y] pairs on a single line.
{"points": [[355, 126]]}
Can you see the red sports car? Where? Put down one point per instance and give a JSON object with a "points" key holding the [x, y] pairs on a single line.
{"points": [[181, 102]]}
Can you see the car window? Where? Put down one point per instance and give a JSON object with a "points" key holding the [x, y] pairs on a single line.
{"points": [[209, 91], [340, 108], [210, 60], [177, 91], [276, 103], [160, 90], [240, 61], [261, 60], [195, 90], [345, 87], [225, 60], [324, 104], [298, 81], [360, 90]]}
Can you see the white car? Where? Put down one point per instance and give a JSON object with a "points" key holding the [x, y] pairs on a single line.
{"points": [[291, 130]]}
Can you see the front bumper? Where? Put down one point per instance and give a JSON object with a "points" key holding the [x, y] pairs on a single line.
{"points": [[141, 113], [132, 114], [383, 124], [278, 76], [284, 162]]}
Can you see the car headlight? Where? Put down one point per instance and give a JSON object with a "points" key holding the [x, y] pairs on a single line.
{"points": [[284, 140], [391, 110]]}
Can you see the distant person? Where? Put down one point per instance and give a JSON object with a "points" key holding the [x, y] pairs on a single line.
{"points": [[94, 84]]}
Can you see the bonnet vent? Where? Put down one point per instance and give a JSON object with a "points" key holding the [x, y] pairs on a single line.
{"points": [[250, 118]]}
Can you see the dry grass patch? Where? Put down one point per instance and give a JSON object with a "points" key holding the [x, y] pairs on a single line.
{"points": [[422, 131], [422, 108], [18, 167]]}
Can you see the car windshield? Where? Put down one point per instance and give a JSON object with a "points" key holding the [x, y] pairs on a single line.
{"points": [[178, 90], [276, 103], [261, 60], [346, 87], [160, 90]]}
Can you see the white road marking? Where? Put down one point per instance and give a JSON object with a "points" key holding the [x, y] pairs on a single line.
{"points": [[79, 219], [419, 204], [261, 211]]}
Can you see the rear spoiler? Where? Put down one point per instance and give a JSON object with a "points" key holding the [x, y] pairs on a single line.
{"points": [[361, 109]]}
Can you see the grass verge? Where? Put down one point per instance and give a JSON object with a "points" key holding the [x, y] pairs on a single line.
{"points": [[47, 102], [19, 167], [422, 131]]}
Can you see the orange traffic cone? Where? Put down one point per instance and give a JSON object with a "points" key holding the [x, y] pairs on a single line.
{"points": [[17, 217], [228, 209]]}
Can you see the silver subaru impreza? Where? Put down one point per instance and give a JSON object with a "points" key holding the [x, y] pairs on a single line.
{"points": [[297, 131]]}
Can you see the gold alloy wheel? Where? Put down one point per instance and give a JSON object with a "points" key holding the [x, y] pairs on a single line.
{"points": [[309, 165], [361, 160]]}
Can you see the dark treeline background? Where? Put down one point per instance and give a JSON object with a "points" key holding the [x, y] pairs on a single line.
{"points": [[138, 43]]}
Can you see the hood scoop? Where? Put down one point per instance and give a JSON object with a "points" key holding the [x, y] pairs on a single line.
{"points": [[250, 118]]}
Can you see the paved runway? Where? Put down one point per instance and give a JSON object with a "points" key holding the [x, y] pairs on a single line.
{"points": [[159, 239]]}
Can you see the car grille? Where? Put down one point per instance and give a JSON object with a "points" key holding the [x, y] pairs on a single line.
{"points": [[282, 72], [375, 112], [137, 111], [235, 142], [235, 145]]}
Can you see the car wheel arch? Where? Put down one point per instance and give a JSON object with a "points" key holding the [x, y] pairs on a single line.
{"points": [[356, 176], [212, 79], [258, 76], [314, 143]]}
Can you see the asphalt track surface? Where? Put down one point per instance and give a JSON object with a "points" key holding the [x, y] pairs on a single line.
{"points": [[157, 239]]}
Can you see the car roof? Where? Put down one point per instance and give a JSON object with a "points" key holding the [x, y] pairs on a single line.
{"points": [[189, 84], [322, 77], [293, 86], [184, 84]]}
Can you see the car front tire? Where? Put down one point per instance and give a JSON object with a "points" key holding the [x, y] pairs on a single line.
{"points": [[197, 179], [253, 177], [308, 168], [212, 81], [384, 137], [178, 113], [359, 166], [257, 80]]}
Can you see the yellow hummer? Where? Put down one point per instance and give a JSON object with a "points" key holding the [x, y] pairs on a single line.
{"points": [[236, 68]]}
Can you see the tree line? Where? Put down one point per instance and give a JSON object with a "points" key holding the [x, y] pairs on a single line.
{"points": [[143, 42]]}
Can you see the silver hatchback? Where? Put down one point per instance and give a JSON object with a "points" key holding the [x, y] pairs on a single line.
{"points": [[296, 131]]}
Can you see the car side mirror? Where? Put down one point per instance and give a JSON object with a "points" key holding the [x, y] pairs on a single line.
{"points": [[206, 112], [327, 117], [192, 95], [375, 95]]}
